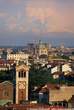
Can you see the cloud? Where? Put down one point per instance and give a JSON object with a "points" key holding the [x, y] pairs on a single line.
{"points": [[39, 13], [23, 28], [54, 18], [11, 23], [13, 1], [40, 17], [3, 14]]}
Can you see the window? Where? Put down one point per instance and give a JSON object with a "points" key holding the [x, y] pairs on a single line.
{"points": [[19, 74], [5, 93], [24, 74]]}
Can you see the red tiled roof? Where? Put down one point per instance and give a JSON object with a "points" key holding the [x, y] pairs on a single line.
{"points": [[3, 66], [53, 86], [3, 61], [57, 73]]}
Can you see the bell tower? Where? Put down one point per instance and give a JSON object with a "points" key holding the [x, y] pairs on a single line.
{"points": [[22, 76]]}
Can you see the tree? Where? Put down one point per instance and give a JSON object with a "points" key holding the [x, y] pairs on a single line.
{"points": [[39, 76], [7, 75]]}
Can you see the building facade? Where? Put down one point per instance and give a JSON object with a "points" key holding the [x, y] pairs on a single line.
{"points": [[6, 92], [17, 56], [22, 76], [43, 49], [61, 96]]}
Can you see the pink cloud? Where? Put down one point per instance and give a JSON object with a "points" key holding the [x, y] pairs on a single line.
{"points": [[55, 20], [39, 13], [51, 18], [3, 14], [23, 29], [11, 23]]}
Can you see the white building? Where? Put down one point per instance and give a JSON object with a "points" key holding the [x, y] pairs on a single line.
{"points": [[9, 50], [18, 56], [66, 68], [55, 69]]}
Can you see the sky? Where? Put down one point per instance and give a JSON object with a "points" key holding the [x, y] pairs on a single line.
{"points": [[24, 21]]}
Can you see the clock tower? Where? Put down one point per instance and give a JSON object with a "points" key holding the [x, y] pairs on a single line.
{"points": [[22, 76]]}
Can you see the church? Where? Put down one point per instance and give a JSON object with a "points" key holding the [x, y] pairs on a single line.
{"points": [[22, 77]]}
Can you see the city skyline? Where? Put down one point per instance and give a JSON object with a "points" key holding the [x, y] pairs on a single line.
{"points": [[23, 21]]}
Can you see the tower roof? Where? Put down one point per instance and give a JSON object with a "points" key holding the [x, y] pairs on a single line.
{"points": [[22, 67]]}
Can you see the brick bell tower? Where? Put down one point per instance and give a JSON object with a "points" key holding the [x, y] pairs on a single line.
{"points": [[22, 76]]}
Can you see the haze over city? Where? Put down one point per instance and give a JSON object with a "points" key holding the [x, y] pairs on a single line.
{"points": [[23, 21], [36, 54]]}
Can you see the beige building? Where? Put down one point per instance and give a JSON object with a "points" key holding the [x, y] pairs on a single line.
{"points": [[43, 49], [59, 95], [22, 76]]}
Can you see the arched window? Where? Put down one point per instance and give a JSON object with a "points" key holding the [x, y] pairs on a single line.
{"points": [[24, 74], [19, 74]]}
